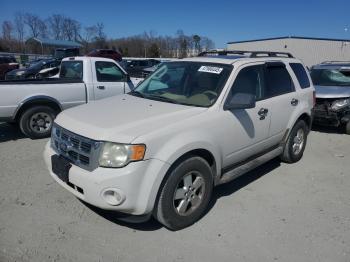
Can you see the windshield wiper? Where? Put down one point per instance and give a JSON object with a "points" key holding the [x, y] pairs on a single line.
{"points": [[137, 93], [162, 98]]}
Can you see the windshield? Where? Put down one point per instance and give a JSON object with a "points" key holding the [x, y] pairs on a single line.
{"points": [[331, 77], [187, 83]]}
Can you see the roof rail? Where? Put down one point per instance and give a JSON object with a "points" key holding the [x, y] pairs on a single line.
{"points": [[247, 53]]}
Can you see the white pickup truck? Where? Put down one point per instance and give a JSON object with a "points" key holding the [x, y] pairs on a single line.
{"points": [[34, 104]]}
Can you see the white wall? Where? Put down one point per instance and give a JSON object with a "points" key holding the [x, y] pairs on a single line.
{"points": [[310, 51]]}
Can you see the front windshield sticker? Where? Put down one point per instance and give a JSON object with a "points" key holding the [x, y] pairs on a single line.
{"points": [[210, 69]]}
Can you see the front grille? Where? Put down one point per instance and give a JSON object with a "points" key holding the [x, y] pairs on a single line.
{"points": [[79, 150]]}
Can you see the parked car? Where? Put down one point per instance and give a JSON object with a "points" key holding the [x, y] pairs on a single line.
{"points": [[332, 84], [107, 53], [32, 71], [34, 104], [61, 53], [191, 125], [7, 64], [135, 67]]}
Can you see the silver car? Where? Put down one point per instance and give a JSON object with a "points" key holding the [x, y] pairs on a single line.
{"points": [[332, 85]]}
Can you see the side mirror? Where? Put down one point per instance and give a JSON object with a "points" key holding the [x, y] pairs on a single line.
{"points": [[240, 101]]}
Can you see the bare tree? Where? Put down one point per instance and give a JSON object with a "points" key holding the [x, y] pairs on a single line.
{"points": [[100, 33], [36, 26], [56, 26], [207, 43], [71, 29], [7, 30], [19, 26]]}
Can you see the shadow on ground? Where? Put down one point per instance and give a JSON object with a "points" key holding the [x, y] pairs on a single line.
{"points": [[220, 191], [10, 132]]}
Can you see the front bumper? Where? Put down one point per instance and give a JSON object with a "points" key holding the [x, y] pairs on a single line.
{"points": [[323, 116], [138, 182]]}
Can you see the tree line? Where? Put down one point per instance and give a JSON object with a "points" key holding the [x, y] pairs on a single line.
{"points": [[61, 27]]}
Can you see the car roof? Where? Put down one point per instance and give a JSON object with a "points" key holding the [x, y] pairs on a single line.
{"points": [[332, 65]]}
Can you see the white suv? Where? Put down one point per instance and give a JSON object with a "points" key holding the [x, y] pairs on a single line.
{"points": [[191, 125]]}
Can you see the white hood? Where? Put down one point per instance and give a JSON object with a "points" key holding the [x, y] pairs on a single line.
{"points": [[123, 118]]}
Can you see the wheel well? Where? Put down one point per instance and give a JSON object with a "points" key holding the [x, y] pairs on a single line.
{"points": [[41, 102], [307, 119], [203, 153]]}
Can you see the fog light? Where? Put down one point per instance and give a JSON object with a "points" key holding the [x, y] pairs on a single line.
{"points": [[113, 196]]}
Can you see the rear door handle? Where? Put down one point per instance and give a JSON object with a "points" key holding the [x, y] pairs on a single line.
{"points": [[263, 113], [294, 102], [101, 87]]}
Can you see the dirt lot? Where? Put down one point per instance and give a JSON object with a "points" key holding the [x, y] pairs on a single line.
{"points": [[278, 212]]}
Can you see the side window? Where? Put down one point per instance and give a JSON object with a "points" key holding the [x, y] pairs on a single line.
{"points": [[108, 72], [250, 80], [278, 80], [301, 75]]}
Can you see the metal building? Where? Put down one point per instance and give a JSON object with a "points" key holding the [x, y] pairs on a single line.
{"points": [[310, 50]]}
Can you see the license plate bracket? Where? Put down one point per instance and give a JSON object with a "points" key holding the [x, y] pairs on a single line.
{"points": [[60, 167]]}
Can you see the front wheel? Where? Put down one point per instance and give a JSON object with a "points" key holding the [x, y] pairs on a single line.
{"points": [[36, 122], [185, 195], [295, 145]]}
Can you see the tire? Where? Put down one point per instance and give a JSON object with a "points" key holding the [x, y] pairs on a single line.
{"points": [[347, 128], [182, 202], [295, 145], [36, 122]]}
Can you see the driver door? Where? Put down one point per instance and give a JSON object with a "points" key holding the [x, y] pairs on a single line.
{"points": [[244, 132], [110, 80]]}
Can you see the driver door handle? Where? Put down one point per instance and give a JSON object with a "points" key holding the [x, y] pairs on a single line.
{"points": [[101, 87], [263, 113], [294, 102]]}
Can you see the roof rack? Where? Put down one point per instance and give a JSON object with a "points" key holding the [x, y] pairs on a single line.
{"points": [[250, 54]]}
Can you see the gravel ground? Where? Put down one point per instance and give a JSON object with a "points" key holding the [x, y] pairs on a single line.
{"points": [[278, 212]]}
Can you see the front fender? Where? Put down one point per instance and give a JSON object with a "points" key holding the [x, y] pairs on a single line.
{"points": [[169, 150]]}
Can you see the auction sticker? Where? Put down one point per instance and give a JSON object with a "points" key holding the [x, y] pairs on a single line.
{"points": [[210, 69]]}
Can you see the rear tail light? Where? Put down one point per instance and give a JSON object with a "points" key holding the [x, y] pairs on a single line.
{"points": [[314, 97]]}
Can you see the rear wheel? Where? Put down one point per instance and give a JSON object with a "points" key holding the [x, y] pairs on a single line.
{"points": [[185, 195], [36, 122], [295, 145], [347, 128]]}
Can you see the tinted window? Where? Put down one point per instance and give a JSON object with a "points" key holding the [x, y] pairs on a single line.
{"points": [[108, 72], [71, 70], [278, 80], [250, 80], [331, 77], [301, 75]]}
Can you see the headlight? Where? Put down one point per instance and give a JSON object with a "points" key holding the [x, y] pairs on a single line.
{"points": [[339, 104], [19, 73], [119, 155]]}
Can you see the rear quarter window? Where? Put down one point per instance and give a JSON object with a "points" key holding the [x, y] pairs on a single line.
{"points": [[71, 70], [301, 74]]}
